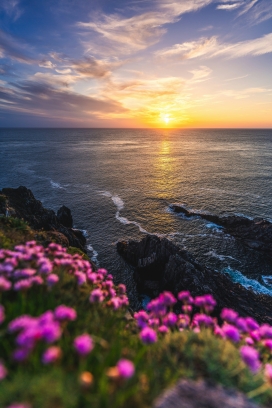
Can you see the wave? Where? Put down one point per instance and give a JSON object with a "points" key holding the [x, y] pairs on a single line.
{"points": [[213, 254], [56, 185], [94, 254], [119, 203], [237, 277]]}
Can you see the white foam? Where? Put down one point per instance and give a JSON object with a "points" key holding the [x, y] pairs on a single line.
{"points": [[214, 226], [237, 277], [95, 254], [84, 232], [213, 254], [267, 280], [56, 185]]}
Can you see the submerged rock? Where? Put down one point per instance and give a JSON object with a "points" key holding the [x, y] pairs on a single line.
{"points": [[21, 203], [256, 233], [161, 265]]}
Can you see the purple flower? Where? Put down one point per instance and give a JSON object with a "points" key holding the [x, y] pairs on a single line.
{"points": [[229, 315], [45, 266], [167, 298], [3, 371], [250, 356], [266, 331], [81, 277], [23, 285], [249, 341], [183, 321], [199, 301], [51, 355], [163, 329], [255, 335], [187, 309], [21, 322], [142, 318], [2, 314], [185, 297], [268, 344], [122, 289], [21, 354], [4, 284], [148, 335], [241, 324], [251, 323], [126, 368], [170, 319], [157, 307], [231, 332], [83, 344], [203, 320], [96, 296], [52, 279], [63, 312], [36, 280], [51, 332]]}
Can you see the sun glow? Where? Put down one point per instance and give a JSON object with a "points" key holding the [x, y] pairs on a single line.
{"points": [[165, 117]]}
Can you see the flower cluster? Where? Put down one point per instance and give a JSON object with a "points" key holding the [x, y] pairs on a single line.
{"points": [[253, 339], [31, 264], [46, 328]]}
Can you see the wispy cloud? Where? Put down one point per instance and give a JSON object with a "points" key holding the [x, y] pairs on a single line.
{"points": [[232, 6], [132, 34], [11, 8], [13, 48], [211, 47]]}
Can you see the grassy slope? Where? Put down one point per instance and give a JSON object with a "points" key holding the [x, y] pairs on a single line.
{"points": [[180, 354]]}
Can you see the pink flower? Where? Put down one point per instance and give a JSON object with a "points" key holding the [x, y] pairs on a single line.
{"points": [[81, 277], [63, 312], [18, 405], [4, 284], [268, 344], [3, 371], [163, 329], [52, 279], [122, 289], [167, 298], [170, 319], [96, 296], [250, 356], [231, 332], [251, 323], [185, 297], [183, 321], [148, 335], [51, 332], [203, 320], [126, 368], [187, 309], [83, 344], [51, 355], [229, 315], [241, 324], [23, 285], [266, 331]]}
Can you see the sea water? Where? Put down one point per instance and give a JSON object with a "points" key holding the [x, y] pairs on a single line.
{"points": [[120, 183]]}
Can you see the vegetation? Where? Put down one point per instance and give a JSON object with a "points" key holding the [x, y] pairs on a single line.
{"points": [[92, 353]]}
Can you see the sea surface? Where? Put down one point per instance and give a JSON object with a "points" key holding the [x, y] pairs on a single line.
{"points": [[119, 184]]}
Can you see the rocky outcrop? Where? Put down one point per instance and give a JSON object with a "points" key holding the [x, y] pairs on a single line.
{"points": [[21, 203], [64, 217], [256, 233], [190, 394], [161, 265]]}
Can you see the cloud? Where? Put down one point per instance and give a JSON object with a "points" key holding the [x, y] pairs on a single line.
{"points": [[262, 11], [247, 7], [47, 64], [11, 8], [14, 49], [229, 6], [91, 67], [211, 47], [245, 93], [40, 98], [132, 34]]}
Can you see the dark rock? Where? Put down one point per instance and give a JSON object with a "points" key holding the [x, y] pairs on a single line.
{"points": [[256, 234], [190, 394], [21, 203], [64, 216], [161, 265]]}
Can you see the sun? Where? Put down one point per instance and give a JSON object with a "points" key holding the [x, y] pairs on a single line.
{"points": [[165, 117]]}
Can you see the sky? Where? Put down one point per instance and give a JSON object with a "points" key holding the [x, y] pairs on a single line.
{"points": [[136, 63]]}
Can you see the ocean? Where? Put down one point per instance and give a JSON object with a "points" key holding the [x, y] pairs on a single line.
{"points": [[119, 184]]}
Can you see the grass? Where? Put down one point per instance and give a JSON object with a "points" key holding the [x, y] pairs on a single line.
{"points": [[176, 355]]}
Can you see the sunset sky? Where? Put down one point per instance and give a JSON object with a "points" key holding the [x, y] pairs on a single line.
{"points": [[126, 63]]}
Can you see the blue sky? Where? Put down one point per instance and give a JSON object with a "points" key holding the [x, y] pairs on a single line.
{"points": [[190, 63]]}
